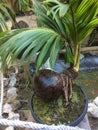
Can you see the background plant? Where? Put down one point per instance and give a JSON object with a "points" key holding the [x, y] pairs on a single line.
{"points": [[6, 13], [24, 5], [19, 6]]}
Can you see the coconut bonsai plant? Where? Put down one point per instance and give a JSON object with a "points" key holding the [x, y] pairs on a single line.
{"points": [[62, 25]]}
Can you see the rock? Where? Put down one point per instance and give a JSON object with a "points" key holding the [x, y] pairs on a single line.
{"points": [[7, 108], [5, 115], [92, 110], [11, 91], [10, 128], [81, 56], [16, 105], [94, 113], [6, 81], [12, 80], [12, 98], [13, 116], [96, 101]]}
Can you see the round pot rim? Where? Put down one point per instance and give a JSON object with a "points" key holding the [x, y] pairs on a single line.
{"points": [[75, 122]]}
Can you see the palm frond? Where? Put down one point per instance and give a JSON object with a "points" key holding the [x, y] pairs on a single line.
{"points": [[29, 42], [57, 7], [6, 12], [49, 20], [3, 24], [84, 22]]}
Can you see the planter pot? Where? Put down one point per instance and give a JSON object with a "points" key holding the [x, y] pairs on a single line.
{"points": [[73, 123]]}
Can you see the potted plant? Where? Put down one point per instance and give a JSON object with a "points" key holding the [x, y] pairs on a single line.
{"points": [[62, 25]]}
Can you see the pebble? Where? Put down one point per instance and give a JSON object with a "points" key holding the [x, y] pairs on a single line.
{"points": [[93, 113], [93, 110], [10, 128], [12, 78], [6, 81], [12, 98], [13, 116], [7, 108], [11, 91], [96, 101]]}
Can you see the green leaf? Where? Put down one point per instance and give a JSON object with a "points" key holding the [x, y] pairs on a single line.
{"points": [[69, 56], [54, 51], [88, 29], [44, 51], [6, 12], [63, 9]]}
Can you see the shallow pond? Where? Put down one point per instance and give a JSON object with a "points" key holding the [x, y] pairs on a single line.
{"points": [[89, 80]]}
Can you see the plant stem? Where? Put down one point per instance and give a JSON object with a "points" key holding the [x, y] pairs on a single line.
{"points": [[76, 48], [76, 57]]}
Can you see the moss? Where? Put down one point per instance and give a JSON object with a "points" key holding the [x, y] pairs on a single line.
{"points": [[55, 112]]}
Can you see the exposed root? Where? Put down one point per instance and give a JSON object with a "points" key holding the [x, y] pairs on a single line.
{"points": [[67, 81]]}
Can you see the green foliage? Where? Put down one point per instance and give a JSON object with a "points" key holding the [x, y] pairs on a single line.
{"points": [[5, 13], [64, 24], [23, 5], [74, 97], [29, 38]]}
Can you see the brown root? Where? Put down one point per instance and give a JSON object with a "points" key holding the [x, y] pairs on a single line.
{"points": [[67, 80]]}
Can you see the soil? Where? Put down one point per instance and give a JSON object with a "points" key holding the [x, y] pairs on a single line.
{"points": [[56, 112]]}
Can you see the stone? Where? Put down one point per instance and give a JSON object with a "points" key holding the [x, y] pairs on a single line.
{"points": [[92, 110], [96, 101], [7, 108], [12, 80], [12, 98], [10, 128], [81, 56], [94, 113], [6, 81], [11, 91], [13, 116]]}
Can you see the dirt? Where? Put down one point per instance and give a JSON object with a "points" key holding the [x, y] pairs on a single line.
{"points": [[55, 112], [29, 19]]}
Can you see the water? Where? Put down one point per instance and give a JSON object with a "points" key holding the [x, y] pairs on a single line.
{"points": [[88, 79]]}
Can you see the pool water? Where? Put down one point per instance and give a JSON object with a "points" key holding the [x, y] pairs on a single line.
{"points": [[88, 79]]}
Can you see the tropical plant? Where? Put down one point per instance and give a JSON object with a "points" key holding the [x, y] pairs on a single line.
{"points": [[5, 13], [19, 5], [62, 25], [23, 5]]}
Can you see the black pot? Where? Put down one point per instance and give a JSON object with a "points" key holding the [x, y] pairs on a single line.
{"points": [[75, 122]]}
